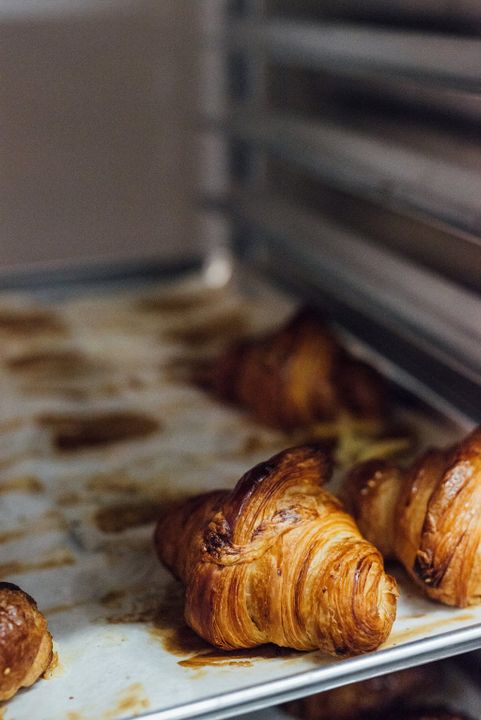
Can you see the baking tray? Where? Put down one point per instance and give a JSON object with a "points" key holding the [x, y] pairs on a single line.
{"points": [[115, 614], [459, 693]]}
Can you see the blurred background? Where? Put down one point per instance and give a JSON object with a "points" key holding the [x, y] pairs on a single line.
{"points": [[367, 113], [98, 103]]}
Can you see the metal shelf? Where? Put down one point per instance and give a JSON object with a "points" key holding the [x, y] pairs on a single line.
{"points": [[452, 61], [430, 12], [426, 325], [401, 167]]}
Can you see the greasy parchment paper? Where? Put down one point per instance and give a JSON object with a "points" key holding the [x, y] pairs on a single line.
{"points": [[76, 520]]}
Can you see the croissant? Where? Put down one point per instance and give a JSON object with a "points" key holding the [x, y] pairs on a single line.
{"points": [[297, 375], [278, 560], [428, 516], [375, 695], [25, 643]]}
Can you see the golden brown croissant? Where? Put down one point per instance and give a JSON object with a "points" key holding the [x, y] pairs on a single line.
{"points": [[278, 560], [354, 701], [297, 375], [25, 643], [428, 516]]}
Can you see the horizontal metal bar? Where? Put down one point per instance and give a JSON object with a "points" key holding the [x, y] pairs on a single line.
{"points": [[435, 57], [62, 279], [445, 250], [420, 170], [467, 11], [409, 93]]}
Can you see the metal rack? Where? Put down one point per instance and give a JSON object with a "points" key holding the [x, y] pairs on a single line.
{"points": [[342, 168]]}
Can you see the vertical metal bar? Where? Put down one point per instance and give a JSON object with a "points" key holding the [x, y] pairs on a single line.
{"points": [[247, 86], [213, 227]]}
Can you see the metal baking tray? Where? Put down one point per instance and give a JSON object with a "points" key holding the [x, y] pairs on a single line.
{"points": [[458, 693], [115, 614]]}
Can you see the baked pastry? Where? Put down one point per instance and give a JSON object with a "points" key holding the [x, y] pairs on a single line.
{"points": [[297, 375], [278, 560], [370, 696], [428, 516], [25, 642]]}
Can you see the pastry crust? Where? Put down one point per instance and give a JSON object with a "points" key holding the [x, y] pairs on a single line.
{"points": [[25, 643], [427, 516], [278, 560], [297, 375]]}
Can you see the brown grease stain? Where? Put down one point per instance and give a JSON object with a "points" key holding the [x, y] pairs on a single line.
{"points": [[12, 424], [131, 700], [410, 633], [59, 559], [68, 499], [25, 322], [50, 521], [188, 370], [70, 432], [164, 612], [23, 483], [74, 716], [416, 616], [116, 483], [152, 490], [113, 598], [40, 388], [177, 302], [65, 607], [205, 331], [242, 658], [256, 443], [57, 362], [117, 518]]}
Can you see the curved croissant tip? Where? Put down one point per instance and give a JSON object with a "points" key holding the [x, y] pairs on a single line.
{"points": [[391, 586]]}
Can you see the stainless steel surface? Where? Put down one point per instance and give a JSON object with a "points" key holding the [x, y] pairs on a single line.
{"points": [[441, 59], [467, 12], [431, 244], [397, 165]]}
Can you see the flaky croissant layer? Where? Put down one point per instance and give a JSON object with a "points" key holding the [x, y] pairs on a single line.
{"points": [[278, 560], [25, 643], [428, 516]]}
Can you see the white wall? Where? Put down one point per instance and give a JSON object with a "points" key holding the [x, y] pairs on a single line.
{"points": [[97, 113]]}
